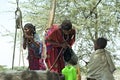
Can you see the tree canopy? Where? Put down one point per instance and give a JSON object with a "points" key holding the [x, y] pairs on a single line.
{"points": [[91, 18]]}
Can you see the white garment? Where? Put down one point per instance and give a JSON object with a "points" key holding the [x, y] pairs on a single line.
{"points": [[101, 66]]}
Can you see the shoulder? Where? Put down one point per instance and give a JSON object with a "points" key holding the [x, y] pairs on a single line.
{"points": [[93, 54], [36, 35], [57, 30], [72, 31], [53, 28], [107, 52]]}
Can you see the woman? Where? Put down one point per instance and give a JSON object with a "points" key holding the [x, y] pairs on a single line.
{"points": [[57, 39], [35, 48]]}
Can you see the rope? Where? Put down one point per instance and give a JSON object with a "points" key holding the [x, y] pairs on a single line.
{"points": [[18, 20], [14, 48], [56, 59], [17, 1], [18, 17]]}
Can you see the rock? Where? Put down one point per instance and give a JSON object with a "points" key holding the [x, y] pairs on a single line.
{"points": [[29, 75]]}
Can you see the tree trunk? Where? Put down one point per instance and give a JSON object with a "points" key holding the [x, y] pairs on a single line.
{"points": [[52, 14]]}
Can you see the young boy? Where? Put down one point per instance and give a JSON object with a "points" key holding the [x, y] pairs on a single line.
{"points": [[100, 66]]}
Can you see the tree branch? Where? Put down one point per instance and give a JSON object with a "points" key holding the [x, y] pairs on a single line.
{"points": [[93, 9]]}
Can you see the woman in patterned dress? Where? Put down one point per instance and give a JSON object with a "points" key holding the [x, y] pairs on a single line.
{"points": [[32, 41]]}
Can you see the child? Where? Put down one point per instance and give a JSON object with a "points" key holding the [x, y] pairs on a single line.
{"points": [[32, 42], [100, 66]]}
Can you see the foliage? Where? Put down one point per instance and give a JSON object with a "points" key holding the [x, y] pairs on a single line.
{"points": [[91, 18], [18, 68], [3, 68]]}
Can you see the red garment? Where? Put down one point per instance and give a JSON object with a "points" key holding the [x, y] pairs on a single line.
{"points": [[34, 62], [53, 50]]}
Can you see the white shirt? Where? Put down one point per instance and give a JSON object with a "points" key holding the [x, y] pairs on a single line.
{"points": [[101, 66]]}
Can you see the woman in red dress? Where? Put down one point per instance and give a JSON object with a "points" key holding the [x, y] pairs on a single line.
{"points": [[57, 39]]}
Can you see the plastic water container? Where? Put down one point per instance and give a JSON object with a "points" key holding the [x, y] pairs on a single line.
{"points": [[69, 72]]}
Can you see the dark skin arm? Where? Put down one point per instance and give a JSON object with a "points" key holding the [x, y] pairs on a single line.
{"points": [[24, 43], [63, 44], [27, 39]]}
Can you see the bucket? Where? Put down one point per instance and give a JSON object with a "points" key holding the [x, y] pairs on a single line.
{"points": [[70, 56]]}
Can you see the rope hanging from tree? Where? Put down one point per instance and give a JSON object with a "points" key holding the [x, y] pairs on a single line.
{"points": [[18, 17], [18, 21]]}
